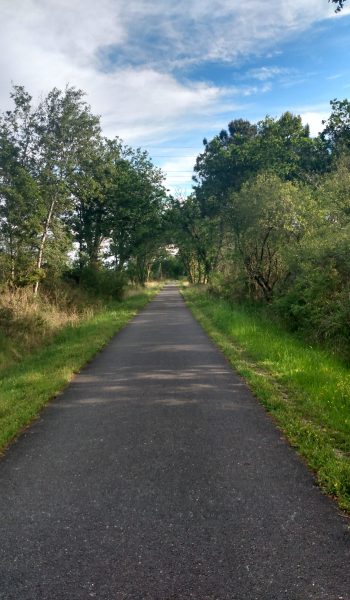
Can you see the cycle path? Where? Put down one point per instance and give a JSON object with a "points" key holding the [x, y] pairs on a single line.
{"points": [[157, 475]]}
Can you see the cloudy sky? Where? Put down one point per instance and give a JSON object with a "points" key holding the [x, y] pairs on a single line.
{"points": [[163, 74]]}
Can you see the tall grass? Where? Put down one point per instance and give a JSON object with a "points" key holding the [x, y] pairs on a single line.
{"points": [[305, 388], [26, 322]]}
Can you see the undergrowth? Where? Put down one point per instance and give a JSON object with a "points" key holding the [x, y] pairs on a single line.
{"points": [[26, 322]]}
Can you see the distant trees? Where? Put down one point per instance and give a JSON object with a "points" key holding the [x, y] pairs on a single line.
{"points": [[269, 219], [65, 191]]}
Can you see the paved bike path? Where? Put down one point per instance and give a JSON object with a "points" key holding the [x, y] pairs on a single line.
{"points": [[156, 475]]}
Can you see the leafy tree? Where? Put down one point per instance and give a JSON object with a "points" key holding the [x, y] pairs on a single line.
{"points": [[316, 300], [65, 126], [135, 205], [41, 149], [284, 147], [198, 238], [226, 161], [267, 215], [21, 207], [336, 133], [90, 187], [61, 181]]}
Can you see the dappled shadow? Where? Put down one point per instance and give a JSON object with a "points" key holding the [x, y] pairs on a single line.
{"points": [[162, 359], [157, 387]]}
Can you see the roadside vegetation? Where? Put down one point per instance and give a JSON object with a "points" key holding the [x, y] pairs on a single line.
{"points": [[80, 236], [269, 222], [266, 231], [84, 218], [26, 385], [305, 389]]}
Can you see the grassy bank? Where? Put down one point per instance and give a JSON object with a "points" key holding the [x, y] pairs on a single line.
{"points": [[27, 386], [305, 389]]}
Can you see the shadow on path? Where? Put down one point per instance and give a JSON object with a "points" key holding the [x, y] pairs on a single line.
{"points": [[156, 475]]}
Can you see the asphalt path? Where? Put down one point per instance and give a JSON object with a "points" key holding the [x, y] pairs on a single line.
{"points": [[156, 475]]}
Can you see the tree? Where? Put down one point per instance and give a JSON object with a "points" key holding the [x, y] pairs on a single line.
{"points": [[21, 207], [136, 200], [226, 162], [316, 299], [336, 133], [90, 187], [197, 236], [61, 181], [284, 147], [65, 126], [266, 216], [41, 152]]}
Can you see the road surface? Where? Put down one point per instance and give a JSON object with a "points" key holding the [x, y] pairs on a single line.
{"points": [[156, 475]]}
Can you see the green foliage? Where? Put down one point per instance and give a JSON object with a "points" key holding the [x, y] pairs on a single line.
{"points": [[168, 266], [198, 236], [267, 215], [103, 283], [337, 130], [66, 191], [316, 300], [269, 220]]}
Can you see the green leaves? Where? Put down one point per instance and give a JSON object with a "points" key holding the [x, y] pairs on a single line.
{"points": [[267, 215], [336, 133], [60, 182]]}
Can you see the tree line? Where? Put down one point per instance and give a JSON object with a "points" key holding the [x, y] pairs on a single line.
{"points": [[269, 220], [72, 201]]}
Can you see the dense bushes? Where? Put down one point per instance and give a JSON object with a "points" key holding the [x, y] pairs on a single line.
{"points": [[98, 282]]}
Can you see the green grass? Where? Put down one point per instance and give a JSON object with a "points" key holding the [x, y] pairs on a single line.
{"points": [[305, 389], [26, 387]]}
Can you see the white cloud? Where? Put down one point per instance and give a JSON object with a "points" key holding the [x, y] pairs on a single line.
{"points": [[47, 43], [314, 119], [179, 171], [135, 103], [266, 73]]}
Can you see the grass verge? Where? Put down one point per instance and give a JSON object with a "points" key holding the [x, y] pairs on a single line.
{"points": [[306, 390], [26, 387]]}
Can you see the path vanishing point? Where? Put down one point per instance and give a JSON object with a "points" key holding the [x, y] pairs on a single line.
{"points": [[156, 475]]}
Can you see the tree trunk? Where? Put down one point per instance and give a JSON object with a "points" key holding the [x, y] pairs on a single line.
{"points": [[42, 244], [12, 261]]}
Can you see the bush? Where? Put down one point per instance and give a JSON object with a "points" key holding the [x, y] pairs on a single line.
{"points": [[99, 283]]}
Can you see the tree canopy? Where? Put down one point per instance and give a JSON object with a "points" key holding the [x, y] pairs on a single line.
{"points": [[268, 219], [69, 196]]}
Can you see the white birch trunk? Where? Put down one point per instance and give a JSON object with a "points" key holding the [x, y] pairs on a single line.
{"points": [[42, 243]]}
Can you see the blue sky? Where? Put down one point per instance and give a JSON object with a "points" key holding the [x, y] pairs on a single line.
{"points": [[164, 75]]}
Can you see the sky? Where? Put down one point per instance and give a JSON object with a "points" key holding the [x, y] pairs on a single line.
{"points": [[164, 74]]}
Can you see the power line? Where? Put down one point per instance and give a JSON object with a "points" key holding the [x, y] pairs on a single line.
{"points": [[174, 147]]}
